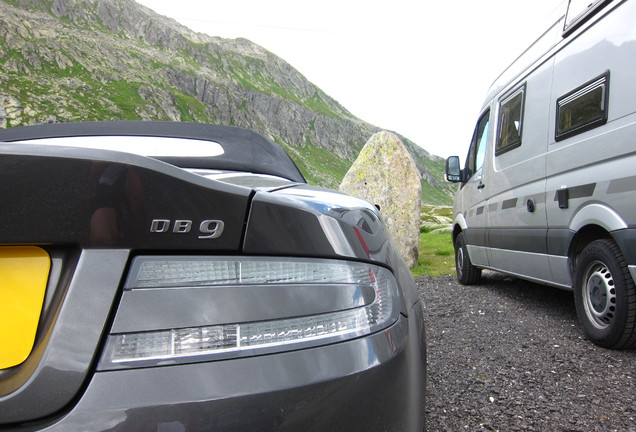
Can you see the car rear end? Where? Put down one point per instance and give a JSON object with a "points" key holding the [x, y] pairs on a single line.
{"points": [[180, 292]]}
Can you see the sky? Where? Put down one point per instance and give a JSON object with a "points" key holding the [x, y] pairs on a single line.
{"points": [[421, 69]]}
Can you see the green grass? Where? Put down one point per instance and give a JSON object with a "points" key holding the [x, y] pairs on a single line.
{"points": [[316, 104], [437, 256], [251, 77], [126, 96], [435, 195], [319, 166], [190, 108]]}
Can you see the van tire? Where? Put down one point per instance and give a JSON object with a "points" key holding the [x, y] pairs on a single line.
{"points": [[467, 273], [605, 296]]}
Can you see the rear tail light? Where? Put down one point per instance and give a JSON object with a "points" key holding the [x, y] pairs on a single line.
{"points": [[237, 339]]}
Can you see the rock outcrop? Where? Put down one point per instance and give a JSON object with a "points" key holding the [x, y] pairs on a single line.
{"points": [[386, 175]]}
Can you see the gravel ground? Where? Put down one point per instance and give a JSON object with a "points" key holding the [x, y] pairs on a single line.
{"points": [[509, 355]]}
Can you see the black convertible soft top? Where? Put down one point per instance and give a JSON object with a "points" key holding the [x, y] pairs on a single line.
{"points": [[244, 150]]}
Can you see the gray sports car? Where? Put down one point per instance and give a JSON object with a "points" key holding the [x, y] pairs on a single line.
{"points": [[159, 276]]}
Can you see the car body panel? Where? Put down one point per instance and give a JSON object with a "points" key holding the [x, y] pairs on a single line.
{"points": [[66, 349], [313, 389], [96, 212], [335, 224], [117, 193]]}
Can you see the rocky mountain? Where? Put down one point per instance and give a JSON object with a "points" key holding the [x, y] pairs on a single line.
{"points": [[72, 60]]}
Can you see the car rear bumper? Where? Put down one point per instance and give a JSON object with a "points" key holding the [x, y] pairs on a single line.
{"points": [[371, 383]]}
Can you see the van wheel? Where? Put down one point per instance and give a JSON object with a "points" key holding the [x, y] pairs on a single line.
{"points": [[467, 273], [605, 296]]}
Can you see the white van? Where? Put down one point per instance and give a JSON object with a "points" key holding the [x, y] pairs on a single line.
{"points": [[548, 190]]}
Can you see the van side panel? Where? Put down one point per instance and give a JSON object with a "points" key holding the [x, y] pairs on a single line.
{"points": [[592, 173]]}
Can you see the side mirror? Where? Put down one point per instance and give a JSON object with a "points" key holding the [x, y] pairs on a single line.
{"points": [[453, 171]]}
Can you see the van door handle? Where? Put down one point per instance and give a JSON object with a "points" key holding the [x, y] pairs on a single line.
{"points": [[481, 185]]}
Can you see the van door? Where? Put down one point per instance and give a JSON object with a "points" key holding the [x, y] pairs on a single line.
{"points": [[516, 179], [472, 200]]}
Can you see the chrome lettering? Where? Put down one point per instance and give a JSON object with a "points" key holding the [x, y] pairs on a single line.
{"points": [[214, 229], [209, 229], [182, 226], [159, 225]]}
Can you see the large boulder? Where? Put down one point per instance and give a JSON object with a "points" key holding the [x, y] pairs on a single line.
{"points": [[386, 175]]}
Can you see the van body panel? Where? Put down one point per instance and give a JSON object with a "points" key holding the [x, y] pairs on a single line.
{"points": [[460, 221], [597, 214], [523, 263], [600, 193], [476, 222], [561, 274]]}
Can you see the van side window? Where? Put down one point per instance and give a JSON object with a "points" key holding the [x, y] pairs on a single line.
{"points": [[583, 108], [580, 11], [510, 121], [477, 152]]}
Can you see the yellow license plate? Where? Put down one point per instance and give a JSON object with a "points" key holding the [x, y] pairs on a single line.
{"points": [[24, 271]]}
